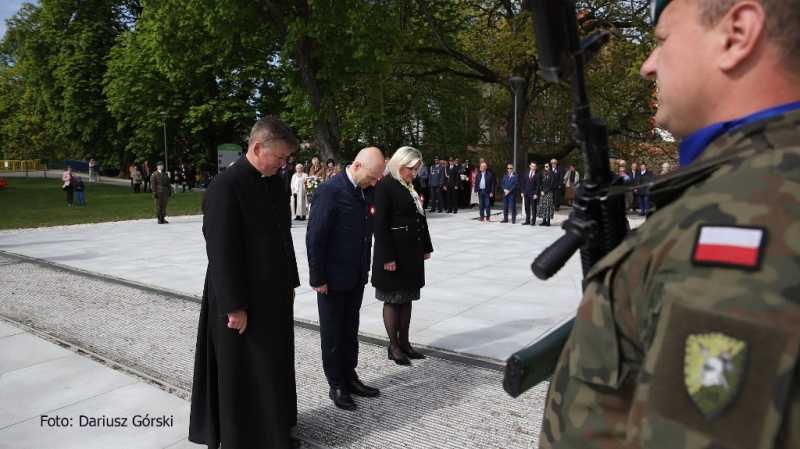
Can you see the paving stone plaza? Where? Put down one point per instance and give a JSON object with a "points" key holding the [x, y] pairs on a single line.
{"points": [[99, 321]]}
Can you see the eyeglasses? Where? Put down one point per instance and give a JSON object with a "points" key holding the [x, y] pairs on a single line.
{"points": [[510, 168], [546, 166]]}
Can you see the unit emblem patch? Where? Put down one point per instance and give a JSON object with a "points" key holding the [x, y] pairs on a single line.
{"points": [[713, 371]]}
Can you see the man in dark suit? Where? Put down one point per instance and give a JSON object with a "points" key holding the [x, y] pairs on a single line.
{"points": [[452, 180], [509, 185], [633, 174], [558, 179], [531, 186], [643, 178], [484, 186], [339, 245], [286, 172]]}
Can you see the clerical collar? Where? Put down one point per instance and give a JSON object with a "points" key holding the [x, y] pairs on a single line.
{"points": [[692, 146], [350, 177]]}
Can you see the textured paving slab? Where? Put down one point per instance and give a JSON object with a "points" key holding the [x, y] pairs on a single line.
{"points": [[434, 403]]}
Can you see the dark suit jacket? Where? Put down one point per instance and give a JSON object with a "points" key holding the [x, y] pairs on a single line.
{"points": [[642, 179], [533, 186], [401, 236], [339, 235], [489, 181], [510, 183], [453, 177], [558, 177]]}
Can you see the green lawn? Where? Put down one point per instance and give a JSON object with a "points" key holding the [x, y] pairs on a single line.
{"points": [[38, 202]]}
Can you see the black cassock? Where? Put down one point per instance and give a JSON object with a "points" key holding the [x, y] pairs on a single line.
{"points": [[244, 391]]}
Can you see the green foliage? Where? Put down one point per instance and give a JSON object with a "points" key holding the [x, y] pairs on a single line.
{"points": [[38, 202]]}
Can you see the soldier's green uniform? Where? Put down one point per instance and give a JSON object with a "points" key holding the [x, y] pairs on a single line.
{"points": [[689, 332], [162, 189]]}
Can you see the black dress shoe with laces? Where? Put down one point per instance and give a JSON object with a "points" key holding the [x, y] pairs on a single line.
{"points": [[342, 399], [358, 388]]}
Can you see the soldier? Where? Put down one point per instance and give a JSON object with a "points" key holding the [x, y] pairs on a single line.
{"points": [[162, 189], [688, 334], [436, 182]]}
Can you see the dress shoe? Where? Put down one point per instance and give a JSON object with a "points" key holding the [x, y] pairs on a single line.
{"points": [[527, 222], [503, 221], [542, 223], [342, 399], [480, 220], [533, 223], [403, 361], [358, 388], [455, 211], [413, 354], [294, 443], [513, 221]]}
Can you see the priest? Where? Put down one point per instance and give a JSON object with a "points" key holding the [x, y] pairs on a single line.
{"points": [[244, 392]]}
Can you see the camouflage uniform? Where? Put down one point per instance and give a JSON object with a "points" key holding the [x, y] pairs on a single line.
{"points": [[673, 348], [162, 189]]}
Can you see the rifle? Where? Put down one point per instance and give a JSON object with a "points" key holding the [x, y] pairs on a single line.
{"points": [[597, 223]]}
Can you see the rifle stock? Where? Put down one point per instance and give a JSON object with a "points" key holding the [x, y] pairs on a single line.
{"points": [[597, 224]]}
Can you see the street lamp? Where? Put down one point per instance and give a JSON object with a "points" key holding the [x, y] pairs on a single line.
{"points": [[515, 81], [163, 115], [22, 120]]}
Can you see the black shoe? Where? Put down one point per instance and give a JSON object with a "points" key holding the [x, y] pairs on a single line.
{"points": [[297, 218], [403, 361], [433, 210], [164, 219], [547, 223], [455, 211], [440, 211], [527, 222], [533, 223], [412, 354], [542, 223], [358, 388], [294, 443], [342, 399]]}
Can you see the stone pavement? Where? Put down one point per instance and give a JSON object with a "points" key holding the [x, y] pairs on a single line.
{"points": [[480, 304]]}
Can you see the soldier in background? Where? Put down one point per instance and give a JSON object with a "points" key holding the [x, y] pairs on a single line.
{"points": [[162, 189], [688, 334]]}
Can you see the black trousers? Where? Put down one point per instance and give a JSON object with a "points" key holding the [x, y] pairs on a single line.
{"points": [[452, 197], [338, 331], [557, 198], [530, 208]]}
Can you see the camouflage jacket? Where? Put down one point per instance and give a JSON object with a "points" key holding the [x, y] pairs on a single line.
{"points": [[159, 183], [688, 332]]}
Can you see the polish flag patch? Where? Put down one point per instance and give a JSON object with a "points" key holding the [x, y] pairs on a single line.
{"points": [[730, 246], [372, 210]]}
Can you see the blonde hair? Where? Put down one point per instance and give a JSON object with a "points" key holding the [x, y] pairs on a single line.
{"points": [[403, 157]]}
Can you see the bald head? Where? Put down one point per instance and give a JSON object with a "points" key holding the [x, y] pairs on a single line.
{"points": [[368, 167]]}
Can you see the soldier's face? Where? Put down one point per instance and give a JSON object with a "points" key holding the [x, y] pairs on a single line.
{"points": [[683, 65]]}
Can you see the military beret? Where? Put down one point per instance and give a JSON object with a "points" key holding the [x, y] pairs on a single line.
{"points": [[160, 163], [656, 8], [436, 158]]}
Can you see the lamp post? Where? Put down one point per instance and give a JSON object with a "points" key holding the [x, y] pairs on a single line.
{"points": [[163, 115], [22, 120], [515, 81]]}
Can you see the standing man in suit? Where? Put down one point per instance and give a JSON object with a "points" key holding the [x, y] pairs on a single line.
{"points": [[452, 180], [424, 175], [436, 182], [484, 186], [509, 185], [558, 179], [531, 186], [634, 182], [644, 177], [162, 189], [339, 245]]}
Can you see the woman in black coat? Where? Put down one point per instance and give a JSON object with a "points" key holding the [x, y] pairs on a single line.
{"points": [[545, 211], [402, 244]]}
